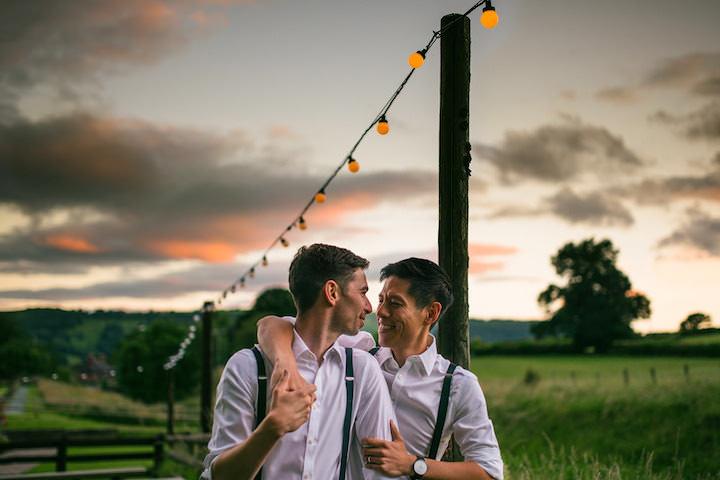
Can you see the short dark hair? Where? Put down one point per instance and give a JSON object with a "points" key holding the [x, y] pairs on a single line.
{"points": [[428, 282], [313, 266]]}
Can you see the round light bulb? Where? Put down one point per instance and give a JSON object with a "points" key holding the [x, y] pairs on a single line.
{"points": [[416, 60], [489, 18], [383, 127], [251, 274], [303, 225], [265, 262], [320, 197], [353, 165], [284, 242]]}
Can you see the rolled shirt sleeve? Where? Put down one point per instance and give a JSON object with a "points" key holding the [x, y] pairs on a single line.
{"points": [[472, 426]]}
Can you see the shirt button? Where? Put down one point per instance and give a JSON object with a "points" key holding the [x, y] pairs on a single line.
{"points": [[307, 475], [400, 376], [309, 355], [315, 407], [311, 441]]}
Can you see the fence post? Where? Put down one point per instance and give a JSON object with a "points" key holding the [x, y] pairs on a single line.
{"points": [[61, 459], [158, 452], [626, 377], [686, 370], [206, 370], [171, 402], [652, 375]]}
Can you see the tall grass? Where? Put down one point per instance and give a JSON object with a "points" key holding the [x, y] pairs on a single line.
{"points": [[591, 425]]}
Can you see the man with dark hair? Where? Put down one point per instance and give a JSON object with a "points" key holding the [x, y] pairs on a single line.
{"points": [[433, 398], [310, 431]]}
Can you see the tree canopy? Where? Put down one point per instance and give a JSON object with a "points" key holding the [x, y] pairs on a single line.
{"points": [[693, 322], [19, 353], [597, 304], [140, 357]]}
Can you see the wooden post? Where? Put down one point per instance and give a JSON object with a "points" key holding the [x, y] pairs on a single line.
{"points": [[453, 342], [61, 459], [653, 376], [171, 401], [158, 452], [686, 371], [206, 381], [626, 377]]}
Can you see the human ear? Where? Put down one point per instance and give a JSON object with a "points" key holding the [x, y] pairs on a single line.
{"points": [[331, 292], [432, 312]]}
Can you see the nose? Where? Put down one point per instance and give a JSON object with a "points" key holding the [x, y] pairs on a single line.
{"points": [[367, 306], [381, 310]]}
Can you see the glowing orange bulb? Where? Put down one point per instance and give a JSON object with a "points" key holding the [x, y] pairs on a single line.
{"points": [[383, 127], [265, 262], [320, 197], [284, 242], [416, 60], [303, 225], [489, 17], [242, 283], [353, 165], [252, 273]]}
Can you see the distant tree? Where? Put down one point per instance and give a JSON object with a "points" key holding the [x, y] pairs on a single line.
{"points": [[140, 357], [275, 301], [693, 322], [110, 335], [19, 354], [597, 304]]}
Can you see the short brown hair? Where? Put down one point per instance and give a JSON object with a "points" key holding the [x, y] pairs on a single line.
{"points": [[313, 266]]}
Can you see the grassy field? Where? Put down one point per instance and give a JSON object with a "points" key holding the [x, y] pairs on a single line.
{"points": [[580, 420]]}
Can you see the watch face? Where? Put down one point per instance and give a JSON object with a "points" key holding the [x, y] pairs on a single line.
{"points": [[420, 467]]}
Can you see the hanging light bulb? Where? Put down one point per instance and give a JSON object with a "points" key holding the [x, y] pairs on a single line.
{"points": [[416, 59], [382, 126], [489, 17], [320, 196], [232, 288], [242, 282], [303, 225], [265, 262], [252, 273], [224, 294], [353, 165], [284, 242]]}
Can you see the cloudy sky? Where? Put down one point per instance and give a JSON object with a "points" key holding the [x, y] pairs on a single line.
{"points": [[152, 150]]}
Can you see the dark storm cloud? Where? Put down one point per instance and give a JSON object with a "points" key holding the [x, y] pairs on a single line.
{"points": [[592, 208], [129, 191], [700, 231], [559, 153]]}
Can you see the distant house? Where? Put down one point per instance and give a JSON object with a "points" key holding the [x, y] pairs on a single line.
{"points": [[96, 371]]}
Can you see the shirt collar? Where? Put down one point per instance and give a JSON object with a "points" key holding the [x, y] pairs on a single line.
{"points": [[425, 361], [299, 347]]}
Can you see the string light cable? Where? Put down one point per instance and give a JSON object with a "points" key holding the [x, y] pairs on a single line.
{"points": [[489, 19]]}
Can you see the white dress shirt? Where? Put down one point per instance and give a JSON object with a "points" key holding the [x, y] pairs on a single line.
{"points": [[415, 392], [313, 450]]}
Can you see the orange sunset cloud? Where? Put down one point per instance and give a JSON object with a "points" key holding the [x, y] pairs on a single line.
{"points": [[70, 243]]}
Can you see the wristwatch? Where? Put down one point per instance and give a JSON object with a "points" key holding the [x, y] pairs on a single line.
{"points": [[420, 468]]}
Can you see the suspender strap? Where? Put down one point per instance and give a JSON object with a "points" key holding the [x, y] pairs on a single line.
{"points": [[373, 351], [442, 411], [349, 387], [262, 394]]}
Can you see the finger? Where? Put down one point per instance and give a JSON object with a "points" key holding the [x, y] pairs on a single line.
{"points": [[395, 432], [372, 442], [283, 382], [373, 452]]}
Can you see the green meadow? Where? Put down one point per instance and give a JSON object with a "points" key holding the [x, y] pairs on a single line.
{"points": [[556, 417], [574, 417]]}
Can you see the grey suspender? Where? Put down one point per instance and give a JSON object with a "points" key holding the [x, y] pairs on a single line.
{"points": [[442, 408], [349, 389]]}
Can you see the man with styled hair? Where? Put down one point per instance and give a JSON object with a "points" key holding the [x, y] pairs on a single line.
{"points": [[433, 398], [312, 430]]}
